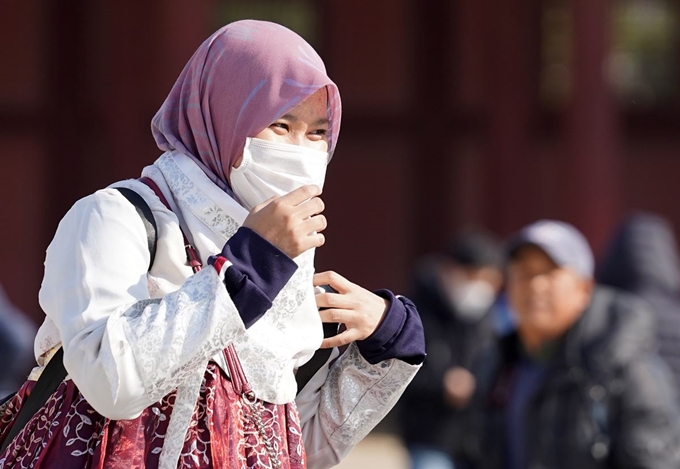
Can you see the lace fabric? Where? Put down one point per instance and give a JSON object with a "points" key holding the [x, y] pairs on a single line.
{"points": [[375, 388], [161, 333]]}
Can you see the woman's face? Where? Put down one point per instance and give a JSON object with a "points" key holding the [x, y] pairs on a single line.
{"points": [[306, 124]]}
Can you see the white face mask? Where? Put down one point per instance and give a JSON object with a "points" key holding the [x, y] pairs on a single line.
{"points": [[471, 299], [271, 169]]}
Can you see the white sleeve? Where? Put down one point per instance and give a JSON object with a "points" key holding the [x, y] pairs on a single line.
{"points": [[122, 349], [340, 406]]}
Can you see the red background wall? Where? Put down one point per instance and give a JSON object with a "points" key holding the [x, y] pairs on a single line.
{"points": [[443, 126]]}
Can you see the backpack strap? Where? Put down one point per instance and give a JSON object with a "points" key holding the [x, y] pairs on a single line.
{"points": [[319, 359], [193, 259], [321, 356], [146, 215], [54, 373]]}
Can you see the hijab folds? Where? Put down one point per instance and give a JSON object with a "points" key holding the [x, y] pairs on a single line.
{"points": [[240, 80]]}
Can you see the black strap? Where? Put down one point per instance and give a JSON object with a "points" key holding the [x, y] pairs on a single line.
{"points": [[321, 356], [147, 218], [53, 374]]}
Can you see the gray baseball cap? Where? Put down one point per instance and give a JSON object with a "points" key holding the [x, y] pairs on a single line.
{"points": [[563, 243]]}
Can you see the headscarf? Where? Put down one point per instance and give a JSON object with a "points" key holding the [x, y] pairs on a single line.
{"points": [[240, 80]]}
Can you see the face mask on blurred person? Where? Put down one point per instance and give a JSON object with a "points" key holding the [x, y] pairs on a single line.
{"points": [[471, 299], [271, 169]]}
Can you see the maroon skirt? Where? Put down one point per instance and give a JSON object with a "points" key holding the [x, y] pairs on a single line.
{"points": [[67, 433]]}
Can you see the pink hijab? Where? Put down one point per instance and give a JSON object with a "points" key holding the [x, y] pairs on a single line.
{"points": [[240, 80]]}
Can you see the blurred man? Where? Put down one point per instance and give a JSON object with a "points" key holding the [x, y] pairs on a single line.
{"points": [[578, 385], [16, 347], [643, 259], [454, 294]]}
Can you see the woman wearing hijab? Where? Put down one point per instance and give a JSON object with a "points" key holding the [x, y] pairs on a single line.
{"points": [[147, 327]]}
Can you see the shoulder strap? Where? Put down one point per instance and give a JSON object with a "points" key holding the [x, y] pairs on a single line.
{"points": [[146, 215], [54, 373], [193, 259], [320, 357]]}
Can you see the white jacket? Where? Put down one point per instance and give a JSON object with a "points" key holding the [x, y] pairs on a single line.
{"points": [[131, 336]]}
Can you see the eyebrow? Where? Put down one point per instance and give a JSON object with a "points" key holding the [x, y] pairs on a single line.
{"points": [[292, 118]]}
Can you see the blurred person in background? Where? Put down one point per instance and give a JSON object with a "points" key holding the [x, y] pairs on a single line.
{"points": [[16, 346], [454, 293], [642, 258], [578, 385]]}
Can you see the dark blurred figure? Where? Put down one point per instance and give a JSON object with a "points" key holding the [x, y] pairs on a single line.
{"points": [[578, 385], [16, 347], [454, 293], [643, 259]]}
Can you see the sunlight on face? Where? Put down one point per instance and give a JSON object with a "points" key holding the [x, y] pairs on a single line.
{"points": [[546, 298], [306, 125]]}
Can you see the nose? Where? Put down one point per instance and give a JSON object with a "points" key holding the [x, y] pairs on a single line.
{"points": [[296, 138], [539, 283]]}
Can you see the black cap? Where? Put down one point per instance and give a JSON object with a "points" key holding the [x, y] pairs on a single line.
{"points": [[476, 249]]}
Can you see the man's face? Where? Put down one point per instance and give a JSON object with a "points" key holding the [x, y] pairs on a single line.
{"points": [[546, 298]]}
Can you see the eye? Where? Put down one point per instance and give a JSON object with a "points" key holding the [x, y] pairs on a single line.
{"points": [[280, 127], [318, 134]]}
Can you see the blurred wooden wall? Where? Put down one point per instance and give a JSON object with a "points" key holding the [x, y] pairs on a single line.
{"points": [[442, 127]]}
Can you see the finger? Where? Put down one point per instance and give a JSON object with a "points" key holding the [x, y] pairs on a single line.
{"points": [[314, 224], [313, 240], [336, 315], [335, 280], [301, 194], [310, 207], [347, 337], [332, 300]]}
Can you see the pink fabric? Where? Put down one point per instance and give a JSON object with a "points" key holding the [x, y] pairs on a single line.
{"points": [[241, 79], [67, 433]]}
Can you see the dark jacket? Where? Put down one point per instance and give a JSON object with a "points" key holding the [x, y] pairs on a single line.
{"points": [[606, 402], [425, 417], [643, 259], [16, 347]]}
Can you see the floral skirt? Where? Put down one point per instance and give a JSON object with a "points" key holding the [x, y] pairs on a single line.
{"points": [[67, 433]]}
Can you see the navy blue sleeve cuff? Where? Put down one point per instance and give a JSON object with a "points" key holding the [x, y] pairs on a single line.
{"points": [[400, 335], [258, 272], [260, 261]]}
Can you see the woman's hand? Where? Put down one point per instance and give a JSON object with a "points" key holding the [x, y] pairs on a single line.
{"points": [[360, 310], [291, 222]]}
